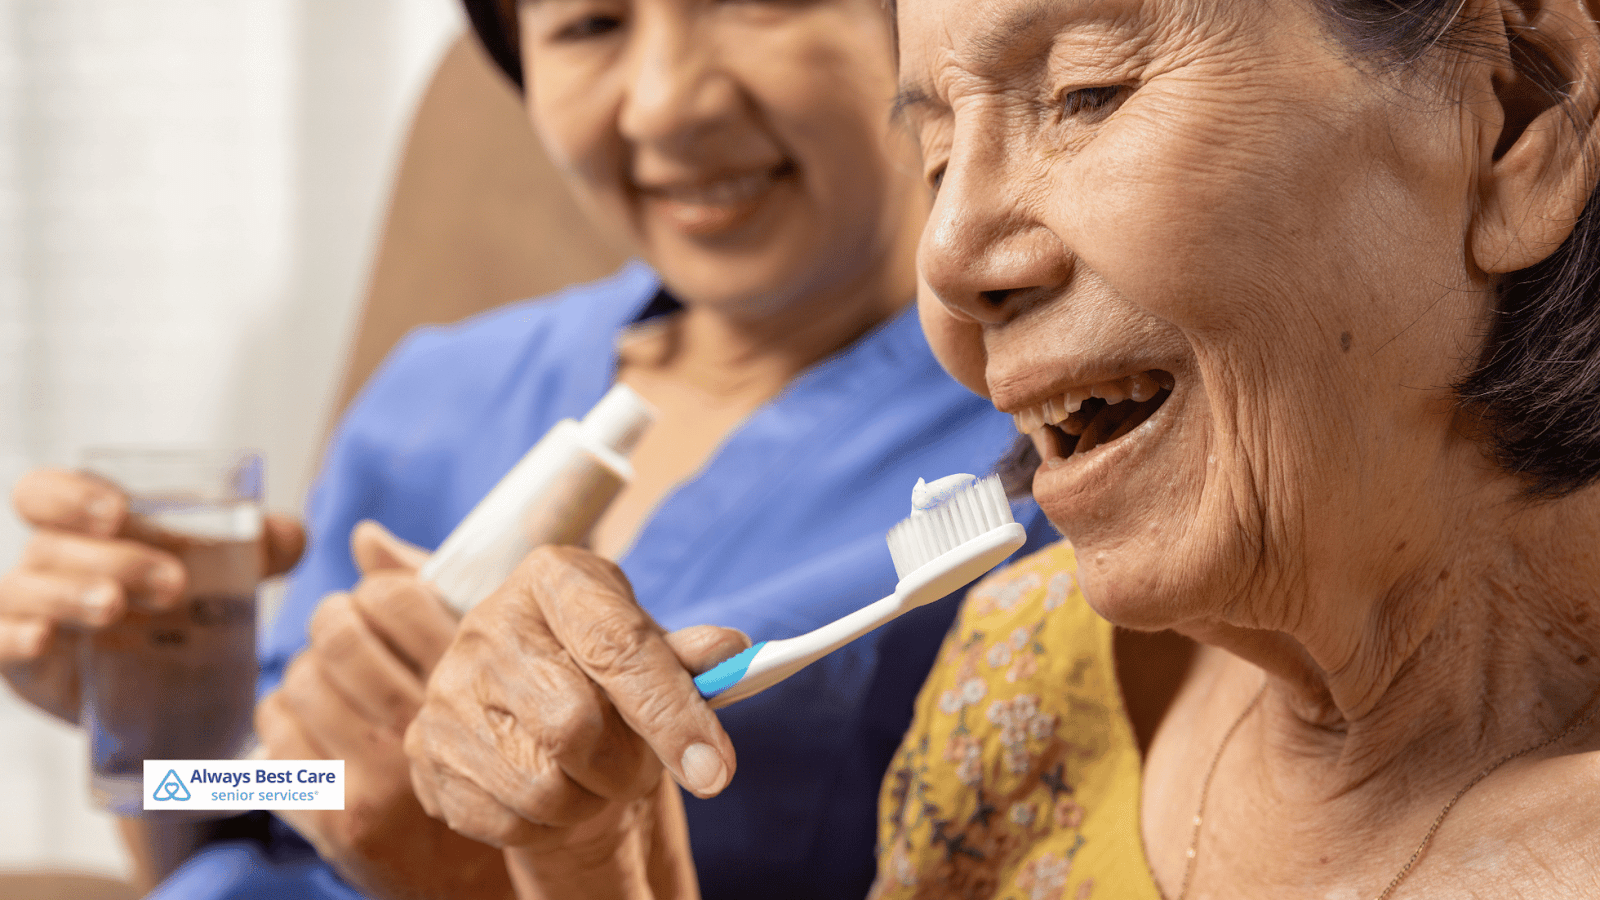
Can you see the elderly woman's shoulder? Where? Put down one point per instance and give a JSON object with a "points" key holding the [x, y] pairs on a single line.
{"points": [[1529, 835]]}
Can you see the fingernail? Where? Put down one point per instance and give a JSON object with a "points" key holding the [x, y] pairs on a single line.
{"points": [[98, 599], [166, 577], [703, 771], [103, 509]]}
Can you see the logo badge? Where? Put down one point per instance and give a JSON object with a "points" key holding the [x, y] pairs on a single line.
{"points": [[171, 788]]}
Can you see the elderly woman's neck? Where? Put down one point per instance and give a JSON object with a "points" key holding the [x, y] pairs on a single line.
{"points": [[1499, 657]]}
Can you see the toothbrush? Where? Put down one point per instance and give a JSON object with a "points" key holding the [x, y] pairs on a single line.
{"points": [[960, 527]]}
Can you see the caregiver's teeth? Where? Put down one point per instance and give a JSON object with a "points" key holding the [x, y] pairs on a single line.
{"points": [[726, 192]]}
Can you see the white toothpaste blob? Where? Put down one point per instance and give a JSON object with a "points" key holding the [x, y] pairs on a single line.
{"points": [[927, 497]]}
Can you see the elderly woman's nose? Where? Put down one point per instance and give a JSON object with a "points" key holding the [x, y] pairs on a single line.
{"points": [[983, 254], [674, 89]]}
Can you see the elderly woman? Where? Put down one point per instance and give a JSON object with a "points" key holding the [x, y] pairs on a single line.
{"points": [[745, 151], [1295, 300]]}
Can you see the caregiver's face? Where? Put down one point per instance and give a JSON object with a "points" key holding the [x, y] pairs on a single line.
{"points": [[742, 145], [1236, 256]]}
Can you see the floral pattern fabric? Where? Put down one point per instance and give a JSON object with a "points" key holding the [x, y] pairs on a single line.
{"points": [[1019, 777]]}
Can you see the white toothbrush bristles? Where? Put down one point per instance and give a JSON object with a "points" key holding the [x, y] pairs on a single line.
{"points": [[918, 540]]}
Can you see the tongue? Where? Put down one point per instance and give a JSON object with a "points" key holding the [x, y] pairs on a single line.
{"points": [[1114, 421]]}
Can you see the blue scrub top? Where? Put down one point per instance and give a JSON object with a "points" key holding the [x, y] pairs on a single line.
{"points": [[780, 532]]}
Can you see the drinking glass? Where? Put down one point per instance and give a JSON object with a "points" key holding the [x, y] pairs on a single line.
{"points": [[178, 684]]}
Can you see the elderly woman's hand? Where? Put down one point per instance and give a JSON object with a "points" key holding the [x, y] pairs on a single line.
{"points": [[87, 565], [546, 725], [350, 696]]}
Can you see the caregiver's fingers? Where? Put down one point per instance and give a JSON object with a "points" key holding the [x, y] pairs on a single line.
{"points": [[407, 616], [60, 598], [354, 661], [590, 609], [144, 576], [280, 731], [285, 540], [73, 501], [375, 547], [22, 640]]}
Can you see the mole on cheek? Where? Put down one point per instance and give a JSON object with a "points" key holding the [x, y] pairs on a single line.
{"points": [[1344, 341]]}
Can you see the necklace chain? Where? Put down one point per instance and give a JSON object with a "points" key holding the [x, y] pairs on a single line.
{"points": [[1205, 790]]}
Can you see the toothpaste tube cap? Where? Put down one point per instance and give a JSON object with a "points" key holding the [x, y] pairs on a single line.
{"points": [[619, 419]]}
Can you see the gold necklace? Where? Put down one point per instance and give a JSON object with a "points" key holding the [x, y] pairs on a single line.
{"points": [[1205, 790]]}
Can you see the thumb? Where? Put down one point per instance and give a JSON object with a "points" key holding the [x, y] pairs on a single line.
{"points": [[375, 547], [285, 540], [701, 647]]}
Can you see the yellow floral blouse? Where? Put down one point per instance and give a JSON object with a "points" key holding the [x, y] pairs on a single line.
{"points": [[1019, 777]]}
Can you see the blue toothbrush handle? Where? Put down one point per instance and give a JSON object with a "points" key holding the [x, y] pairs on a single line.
{"points": [[727, 673]]}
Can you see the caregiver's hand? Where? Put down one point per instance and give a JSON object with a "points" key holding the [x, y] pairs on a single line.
{"points": [[86, 566], [350, 695], [546, 725]]}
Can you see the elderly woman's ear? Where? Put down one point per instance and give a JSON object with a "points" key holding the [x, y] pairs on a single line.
{"points": [[1534, 178]]}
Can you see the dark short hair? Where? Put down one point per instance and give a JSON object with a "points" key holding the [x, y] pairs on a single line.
{"points": [[495, 22]]}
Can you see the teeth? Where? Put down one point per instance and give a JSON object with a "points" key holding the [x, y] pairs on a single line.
{"points": [[1029, 420], [1056, 410], [1112, 392], [726, 192]]}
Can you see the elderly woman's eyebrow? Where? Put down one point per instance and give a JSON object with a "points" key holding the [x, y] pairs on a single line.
{"points": [[990, 49], [907, 98]]}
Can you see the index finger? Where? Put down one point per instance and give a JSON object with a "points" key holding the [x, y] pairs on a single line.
{"points": [[589, 607], [71, 501]]}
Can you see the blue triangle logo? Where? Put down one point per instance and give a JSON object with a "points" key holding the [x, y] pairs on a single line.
{"points": [[171, 788]]}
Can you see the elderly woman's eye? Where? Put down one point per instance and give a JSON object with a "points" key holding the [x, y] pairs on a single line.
{"points": [[1089, 100], [935, 180], [587, 27]]}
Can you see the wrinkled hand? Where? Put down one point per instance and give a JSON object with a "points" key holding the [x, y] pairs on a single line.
{"points": [[546, 725], [350, 696], [87, 567]]}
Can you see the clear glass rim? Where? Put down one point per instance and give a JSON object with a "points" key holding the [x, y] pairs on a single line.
{"points": [[217, 472]]}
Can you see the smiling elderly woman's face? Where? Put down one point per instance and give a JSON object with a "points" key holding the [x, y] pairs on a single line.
{"points": [[1210, 203]]}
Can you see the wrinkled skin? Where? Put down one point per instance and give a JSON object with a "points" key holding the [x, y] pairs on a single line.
{"points": [[1220, 193], [547, 723]]}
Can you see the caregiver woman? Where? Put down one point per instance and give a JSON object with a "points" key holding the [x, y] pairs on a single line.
{"points": [[1352, 242], [743, 149]]}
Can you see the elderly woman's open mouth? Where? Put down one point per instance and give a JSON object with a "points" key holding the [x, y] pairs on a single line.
{"points": [[1082, 418]]}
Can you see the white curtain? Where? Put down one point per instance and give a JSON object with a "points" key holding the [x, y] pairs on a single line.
{"points": [[189, 198]]}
